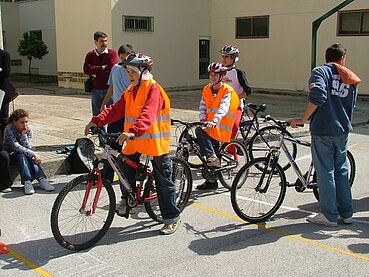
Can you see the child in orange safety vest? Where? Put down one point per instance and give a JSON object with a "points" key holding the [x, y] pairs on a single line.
{"points": [[218, 107], [145, 107]]}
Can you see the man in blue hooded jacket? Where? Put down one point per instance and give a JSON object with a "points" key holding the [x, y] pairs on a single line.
{"points": [[332, 98]]}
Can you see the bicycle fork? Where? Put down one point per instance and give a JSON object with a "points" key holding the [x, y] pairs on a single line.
{"points": [[99, 185], [269, 168]]}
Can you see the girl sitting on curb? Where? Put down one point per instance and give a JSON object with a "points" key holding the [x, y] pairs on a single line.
{"points": [[18, 142]]}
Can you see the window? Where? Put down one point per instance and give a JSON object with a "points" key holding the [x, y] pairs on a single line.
{"points": [[353, 23], [252, 27], [204, 58], [38, 34], [138, 23]]}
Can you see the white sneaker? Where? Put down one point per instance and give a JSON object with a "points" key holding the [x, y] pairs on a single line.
{"points": [[28, 188], [349, 220], [45, 185], [7, 190], [121, 208], [322, 220]]}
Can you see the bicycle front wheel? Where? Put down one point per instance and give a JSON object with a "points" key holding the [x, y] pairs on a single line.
{"points": [[182, 178], [351, 165], [258, 190], [77, 228], [258, 147], [233, 156]]}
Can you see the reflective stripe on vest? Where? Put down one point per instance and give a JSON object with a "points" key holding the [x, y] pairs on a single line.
{"points": [[156, 140], [158, 118], [223, 129]]}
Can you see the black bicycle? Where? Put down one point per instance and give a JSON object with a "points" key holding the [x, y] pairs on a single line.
{"points": [[260, 186], [262, 139], [84, 209], [232, 155]]}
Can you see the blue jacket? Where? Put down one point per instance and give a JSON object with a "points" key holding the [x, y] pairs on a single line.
{"points": [[335, 101]]}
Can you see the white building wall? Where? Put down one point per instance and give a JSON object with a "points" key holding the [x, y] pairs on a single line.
{"points": [[174, 44], [283, 60], [10, 25]]}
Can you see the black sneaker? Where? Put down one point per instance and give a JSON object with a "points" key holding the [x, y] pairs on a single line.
{"points": [[208, 185]]}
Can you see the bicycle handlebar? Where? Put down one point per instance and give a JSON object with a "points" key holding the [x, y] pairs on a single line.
{"points": [[107, 136], [187, 124], [282, 124]]}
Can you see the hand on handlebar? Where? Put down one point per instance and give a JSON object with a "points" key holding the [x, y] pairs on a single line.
{"points": [[296, 122], [125, 136], [88, 127], [209, 125]]}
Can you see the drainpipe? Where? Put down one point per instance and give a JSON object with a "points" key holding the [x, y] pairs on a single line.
{"points": [[316, 25], [1, 31]]}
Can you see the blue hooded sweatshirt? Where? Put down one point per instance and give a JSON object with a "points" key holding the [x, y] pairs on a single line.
{"points": [[335, 100]]}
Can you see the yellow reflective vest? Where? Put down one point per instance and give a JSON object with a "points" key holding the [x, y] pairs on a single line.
{"points": [[156, 140], [223, 129]]}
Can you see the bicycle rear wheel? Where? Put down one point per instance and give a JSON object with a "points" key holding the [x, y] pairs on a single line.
{"points": [[257, 147], [258, 191], [351, 173], [75, 228], [182, 179], [233, 155]]}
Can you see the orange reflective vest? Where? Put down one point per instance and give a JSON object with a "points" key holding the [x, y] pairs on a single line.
{"points": [[223, 129], [156, 140]]}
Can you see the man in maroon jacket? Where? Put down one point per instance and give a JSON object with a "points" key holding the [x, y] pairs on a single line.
{"points": [[98, 63]]}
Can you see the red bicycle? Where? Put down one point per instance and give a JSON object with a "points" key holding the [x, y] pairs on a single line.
{"points": [[84, 209]]}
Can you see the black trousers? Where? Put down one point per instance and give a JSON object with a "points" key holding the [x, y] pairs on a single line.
{"points": [[5, 181]]}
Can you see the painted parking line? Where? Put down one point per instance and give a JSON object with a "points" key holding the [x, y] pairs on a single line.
{"points": [[284, 233], [29, 263], [228, 194]]}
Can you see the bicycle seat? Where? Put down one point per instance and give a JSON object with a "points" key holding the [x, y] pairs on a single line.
{"points": [[258, 108]]}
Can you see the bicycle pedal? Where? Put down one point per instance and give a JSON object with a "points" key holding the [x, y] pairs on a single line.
{"points": [[312, 185]]}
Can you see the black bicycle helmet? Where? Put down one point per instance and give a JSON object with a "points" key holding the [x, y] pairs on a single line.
{"points": [[139, 60]]}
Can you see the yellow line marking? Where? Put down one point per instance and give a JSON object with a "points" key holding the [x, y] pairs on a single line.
{"points": [[29, 263], [359, 148], [360, 131], [284, 233]]}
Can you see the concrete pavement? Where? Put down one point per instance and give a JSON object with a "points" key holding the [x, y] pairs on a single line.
{"points": [[58, 115]]}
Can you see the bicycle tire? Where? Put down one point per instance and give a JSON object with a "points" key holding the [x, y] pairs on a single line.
{"points": [[254, 206], [188, 154], [226, 177], [352, 173], [257, 148], [68, 205], [182, 178]]}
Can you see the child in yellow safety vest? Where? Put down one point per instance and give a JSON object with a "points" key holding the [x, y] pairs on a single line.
{"points": [[218, 107]]}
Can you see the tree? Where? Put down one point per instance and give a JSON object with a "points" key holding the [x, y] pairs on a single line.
{"points": [[31, 47]]}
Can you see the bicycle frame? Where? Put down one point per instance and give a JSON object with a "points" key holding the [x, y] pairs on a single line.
{"points": [[191, 142], [281, 145], [110, 155]]}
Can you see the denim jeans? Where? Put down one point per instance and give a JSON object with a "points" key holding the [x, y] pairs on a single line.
{"points": [[206, 143], [97, 97], [115, 127], [329, 159], [166, 189], [27, 167]]}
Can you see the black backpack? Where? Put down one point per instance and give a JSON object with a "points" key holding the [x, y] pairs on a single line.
{"points": [[81, 153]]}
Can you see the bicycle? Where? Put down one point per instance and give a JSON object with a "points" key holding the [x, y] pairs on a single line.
{"points": [[263, 138], [259, 188], [189, 150], [84, 209]]}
